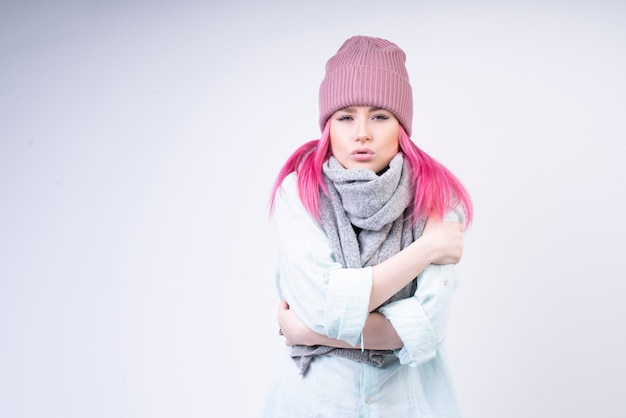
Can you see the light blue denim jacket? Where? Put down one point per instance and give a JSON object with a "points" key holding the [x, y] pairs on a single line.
{"points": [[333, 300]]}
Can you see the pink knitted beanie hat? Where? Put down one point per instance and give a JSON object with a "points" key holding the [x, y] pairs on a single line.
{"points": [[367, 71]]}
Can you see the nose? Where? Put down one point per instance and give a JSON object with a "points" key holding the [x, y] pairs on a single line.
{"points": [[362, 131]]}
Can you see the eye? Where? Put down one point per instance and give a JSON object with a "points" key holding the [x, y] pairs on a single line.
{"points": [[380, 116], [344, 118]]}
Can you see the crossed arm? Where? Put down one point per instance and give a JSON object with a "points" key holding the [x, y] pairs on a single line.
{"points": [[378, 333], [312, 294]]}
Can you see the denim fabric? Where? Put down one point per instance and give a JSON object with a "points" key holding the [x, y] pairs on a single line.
{"points": [[335, 387], [334, 301]]}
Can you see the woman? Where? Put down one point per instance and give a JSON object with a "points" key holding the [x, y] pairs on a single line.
{"points": [[365, 258]]}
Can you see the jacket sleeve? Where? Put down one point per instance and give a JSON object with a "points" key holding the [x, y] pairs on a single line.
{"points": [[421, 321], [328, 298]]}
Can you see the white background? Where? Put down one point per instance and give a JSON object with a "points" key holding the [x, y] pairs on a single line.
{"points": [[138, 144]]}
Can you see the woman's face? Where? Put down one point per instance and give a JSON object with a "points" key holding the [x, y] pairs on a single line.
{"points": [[364, 137]]}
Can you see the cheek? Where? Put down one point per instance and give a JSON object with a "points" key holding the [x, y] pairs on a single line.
{"points": [[337, 150], [337, 140], [394, 141], [334, 146], [393, 144], [332, 138]]}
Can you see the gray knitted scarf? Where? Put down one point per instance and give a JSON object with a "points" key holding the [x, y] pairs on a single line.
{"points": [[366, 221]]}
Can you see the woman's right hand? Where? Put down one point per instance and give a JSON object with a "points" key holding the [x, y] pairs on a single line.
{"points": [[445, 240], [292, 328]]}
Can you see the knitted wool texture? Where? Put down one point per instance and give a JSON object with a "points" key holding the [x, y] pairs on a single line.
{"points": [[366, 221], [367, 71]]}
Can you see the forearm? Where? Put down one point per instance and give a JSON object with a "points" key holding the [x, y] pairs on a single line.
{"points": [[378, 334], [440, 243], [397, 271], [335, 301]]}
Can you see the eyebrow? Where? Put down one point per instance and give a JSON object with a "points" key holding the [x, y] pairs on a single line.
{"points": [[351, 109]]}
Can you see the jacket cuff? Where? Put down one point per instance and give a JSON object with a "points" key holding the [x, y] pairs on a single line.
{"points": [[414, 329], [347, 303]]}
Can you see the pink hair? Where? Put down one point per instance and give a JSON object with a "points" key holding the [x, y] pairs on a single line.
{"points": [[437, 190]]}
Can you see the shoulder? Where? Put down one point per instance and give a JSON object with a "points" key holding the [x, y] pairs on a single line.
{"points": [[287, 197], [289, 213], [457, 214], [288, 187], [290, 181]]}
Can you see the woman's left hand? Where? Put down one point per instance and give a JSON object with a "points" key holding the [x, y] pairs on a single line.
{"points": [[292, 328]]}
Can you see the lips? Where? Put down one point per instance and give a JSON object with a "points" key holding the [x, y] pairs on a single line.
{"points": [[362, 154]]}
